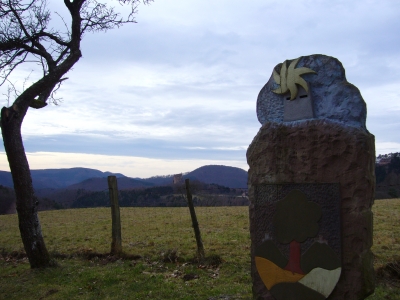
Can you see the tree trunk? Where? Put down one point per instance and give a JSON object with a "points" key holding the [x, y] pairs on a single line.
{"points": [[26, 202], [294, 258]]}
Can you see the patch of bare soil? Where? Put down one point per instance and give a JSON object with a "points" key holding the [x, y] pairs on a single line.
{"points": [[13, 257], [389, 274], [87, 254]]}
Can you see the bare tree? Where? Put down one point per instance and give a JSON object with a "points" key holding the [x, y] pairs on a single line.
{"points": [[26, 36]]}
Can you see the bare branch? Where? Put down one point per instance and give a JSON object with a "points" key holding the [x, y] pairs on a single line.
{"points": [[62, 55], [98, 16], [10, 89], [16, 10], [25, 37], [65, 24], [55, 100], [53, 37], [26, 80], [9, 66]]}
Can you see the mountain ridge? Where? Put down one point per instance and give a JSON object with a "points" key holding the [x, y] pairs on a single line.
{"points": [[57, 178], [53, 192], [73, 178]]}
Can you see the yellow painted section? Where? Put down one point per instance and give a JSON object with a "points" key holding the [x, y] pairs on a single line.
{"points": [[271, 274]]}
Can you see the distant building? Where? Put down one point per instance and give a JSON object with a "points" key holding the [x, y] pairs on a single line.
{"points": [[177, 178], [384, 159]]}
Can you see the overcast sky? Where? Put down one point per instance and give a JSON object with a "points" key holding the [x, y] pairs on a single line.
{"points": [[178, 90]]}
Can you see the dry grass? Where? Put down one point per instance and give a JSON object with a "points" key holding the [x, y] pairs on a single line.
{"points": [[145, 231], [386, 231], [164, 238], [386, 248]]}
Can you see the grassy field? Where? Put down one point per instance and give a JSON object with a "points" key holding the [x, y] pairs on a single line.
{"points": [[164, 240]]}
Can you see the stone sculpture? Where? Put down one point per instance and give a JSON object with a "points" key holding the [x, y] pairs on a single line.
{"points": [[311, 185]]}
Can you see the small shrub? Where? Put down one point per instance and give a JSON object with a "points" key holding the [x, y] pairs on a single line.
{"points": [[393, 193]]}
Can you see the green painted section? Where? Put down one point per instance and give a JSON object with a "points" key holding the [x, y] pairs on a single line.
{"points": [[294, 291], [269, 251], [319, 255], [321, 280], [296, 218]]}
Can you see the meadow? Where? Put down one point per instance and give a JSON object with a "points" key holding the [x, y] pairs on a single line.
{"points": [[160, 251]]}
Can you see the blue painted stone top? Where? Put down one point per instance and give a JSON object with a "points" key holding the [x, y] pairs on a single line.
{"points": [[332, 96]]}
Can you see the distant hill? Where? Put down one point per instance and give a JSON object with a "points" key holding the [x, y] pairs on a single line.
{"points": [[64, 186], [7, 200], [63, 197], [158, 180], [167, 196], [57, 178], [6, 179], [57, 188], [387, 172], [222, 175], [100, 184], [94, 180]]}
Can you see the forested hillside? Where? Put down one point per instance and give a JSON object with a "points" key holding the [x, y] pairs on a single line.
{"points": [[387, 172], [168, 196], [211, 186], [7, 200]]}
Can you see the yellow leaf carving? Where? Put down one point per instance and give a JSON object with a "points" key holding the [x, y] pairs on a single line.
{"points": [[289, 77]]}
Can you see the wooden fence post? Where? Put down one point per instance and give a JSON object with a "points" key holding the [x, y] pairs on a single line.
{"points": [[116, 244], [200, 248]]}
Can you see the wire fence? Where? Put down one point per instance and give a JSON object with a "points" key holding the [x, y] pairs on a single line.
{"points": [[151, 231], [175, 224], [168, 196]]}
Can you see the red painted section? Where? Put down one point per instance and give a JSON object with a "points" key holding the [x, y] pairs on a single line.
{"points": [[294, 258]]}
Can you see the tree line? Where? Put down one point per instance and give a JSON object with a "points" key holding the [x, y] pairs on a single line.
{"points": [[167, 196], [393, 166]]}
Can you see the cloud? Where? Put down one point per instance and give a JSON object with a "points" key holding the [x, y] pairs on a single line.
{"points": [[131, 166], [152, 148], [183, 82], [387, 147]]}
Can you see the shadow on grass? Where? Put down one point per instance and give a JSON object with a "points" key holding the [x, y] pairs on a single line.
{"points": [[389, 274]]}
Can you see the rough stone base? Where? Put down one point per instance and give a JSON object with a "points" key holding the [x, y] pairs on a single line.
{"points": [[320, 151]]}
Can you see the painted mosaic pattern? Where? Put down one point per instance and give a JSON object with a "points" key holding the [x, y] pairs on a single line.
{"points": [[297, 245]]}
